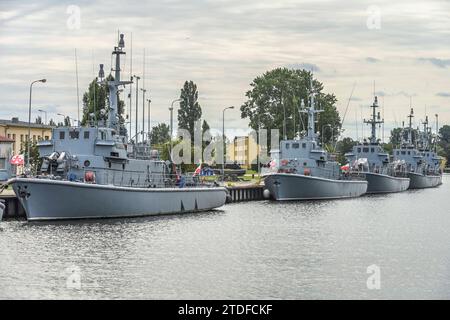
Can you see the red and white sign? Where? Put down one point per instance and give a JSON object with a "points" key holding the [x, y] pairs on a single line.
{"points": [[18, 160]]}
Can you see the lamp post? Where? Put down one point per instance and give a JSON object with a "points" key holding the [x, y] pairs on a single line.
{"points": [[223, 141], [29, 121], [171, 125], [45, 115]]}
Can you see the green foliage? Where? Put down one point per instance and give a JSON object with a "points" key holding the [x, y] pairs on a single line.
{"points": [[444, 142], [190, 110], [96, 99], [399, 134], [160, 134], [35, 160], [38, 120], [52, 123], [277, 95], [344, 146]]}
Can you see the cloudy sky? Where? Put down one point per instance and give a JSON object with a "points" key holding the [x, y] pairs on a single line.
{"points": [[222, 45]]}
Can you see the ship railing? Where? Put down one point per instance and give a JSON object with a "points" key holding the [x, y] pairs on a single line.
{"points": [[144, 179]]}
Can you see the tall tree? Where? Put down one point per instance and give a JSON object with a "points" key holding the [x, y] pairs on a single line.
{"points": [[52, 123], [38, 120], [444, 141], [160, 134], [274, 102], [190, 110]]}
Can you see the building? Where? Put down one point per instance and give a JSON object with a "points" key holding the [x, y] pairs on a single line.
{"points": [[243, 151], [5, 156], [17, 131]]}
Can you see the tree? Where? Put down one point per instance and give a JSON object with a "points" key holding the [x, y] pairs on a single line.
{"points": [[277, 94], [344, 146], [190, 110], [52, 123], [160, 134], [96, 99], [35, 159], [399, 135], [38, 120], [67, 122], [444, 141]]}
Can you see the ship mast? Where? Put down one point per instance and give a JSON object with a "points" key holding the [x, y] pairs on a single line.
{"points": [[311, 113], [411, 115], [114, 86], [376, 119]]}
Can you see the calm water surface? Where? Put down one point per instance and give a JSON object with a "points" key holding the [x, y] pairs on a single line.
{"points": [[255, 250]]}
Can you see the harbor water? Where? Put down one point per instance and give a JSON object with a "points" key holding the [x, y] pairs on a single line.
{"points": [[248, 250]]}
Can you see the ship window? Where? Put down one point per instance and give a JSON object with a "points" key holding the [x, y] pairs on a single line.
{"points": [[87, 163], [409, 152], [372, 150], [398, 152], [304, 164], [295, 145], [365, 150], [61, 135], [86, 134], [428, 154], [287, 145], [74, 134], [359, 150], [304, 145], [403, 152]]}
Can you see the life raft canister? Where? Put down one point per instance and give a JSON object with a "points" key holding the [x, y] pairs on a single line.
{"points": [[307, 172]]}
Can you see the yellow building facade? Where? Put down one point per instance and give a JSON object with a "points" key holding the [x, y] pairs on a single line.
{"points": [[18, 131], [243, 151]]}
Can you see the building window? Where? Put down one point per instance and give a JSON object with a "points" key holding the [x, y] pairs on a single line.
{"points": [[9, 135], [21, 138], [46, 138], [34, 137], [14, 136], [2, 163], [61, 135]]}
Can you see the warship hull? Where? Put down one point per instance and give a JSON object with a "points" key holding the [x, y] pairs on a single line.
{"points": [[381, 183], [283, 186], [420, 181], [57, 200]]}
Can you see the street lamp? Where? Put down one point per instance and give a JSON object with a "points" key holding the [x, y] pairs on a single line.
{"points": [[29, 121], [171, 125], [137, 106], [223, 141], [45, 115]]}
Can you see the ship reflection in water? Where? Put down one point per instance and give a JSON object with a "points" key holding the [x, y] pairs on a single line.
{"points": [[252, 250]]}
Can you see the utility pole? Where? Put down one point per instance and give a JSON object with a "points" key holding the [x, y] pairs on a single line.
{"points": [[137, 107]]}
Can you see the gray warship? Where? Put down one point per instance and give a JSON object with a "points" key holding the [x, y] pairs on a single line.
{"points": [[423, 163], [97, 172], [302, 170], [369, 159]]}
